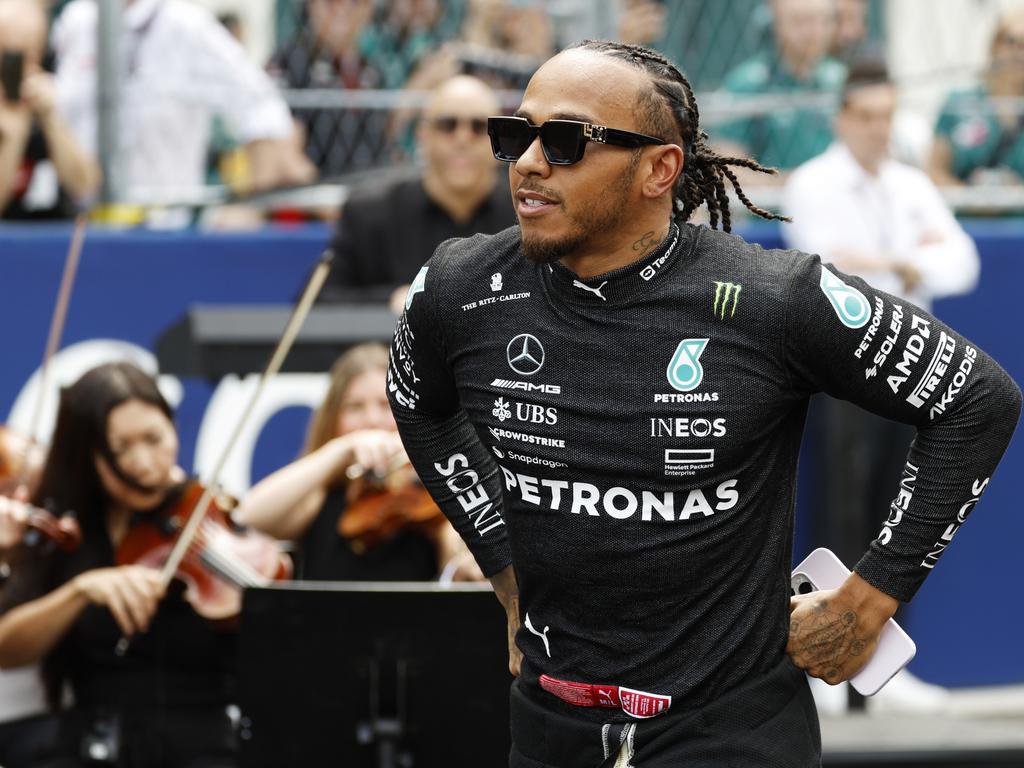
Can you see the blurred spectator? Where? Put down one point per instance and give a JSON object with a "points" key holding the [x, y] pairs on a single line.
{"points": [[642, 22], [851, 30], [979, 137], [403, 32], [778, 136], [886, 222], [180, 67], [41, 165], [327, 54], [872, 216], [502, 42], [388, 231]]}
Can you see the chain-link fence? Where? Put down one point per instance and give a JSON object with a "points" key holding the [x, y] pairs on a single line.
{"points": [[767, 72]]}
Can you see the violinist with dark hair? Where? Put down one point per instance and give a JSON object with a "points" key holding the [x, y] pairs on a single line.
{"points": [[166, 701], [352, 501]]}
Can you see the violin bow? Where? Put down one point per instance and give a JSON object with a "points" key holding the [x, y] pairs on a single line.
{"points": [[57, 321], [284, 345]]}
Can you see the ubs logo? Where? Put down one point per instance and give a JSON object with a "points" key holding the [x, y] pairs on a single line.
{"points": [[525, 354]]}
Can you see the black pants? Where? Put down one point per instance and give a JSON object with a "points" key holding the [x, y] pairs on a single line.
{"points": [[770, 722]]}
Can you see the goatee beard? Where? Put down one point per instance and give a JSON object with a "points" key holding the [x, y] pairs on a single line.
{"points": [[540, 251]]}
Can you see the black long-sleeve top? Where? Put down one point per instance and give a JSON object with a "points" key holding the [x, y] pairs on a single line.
{"points": [[629, 442]]}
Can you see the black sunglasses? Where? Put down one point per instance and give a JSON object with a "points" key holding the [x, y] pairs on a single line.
{"points": [[451, 123], [562, 141]]}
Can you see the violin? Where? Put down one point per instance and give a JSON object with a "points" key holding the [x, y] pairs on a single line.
{"points": [[184, 543], [221, 560], [382, 505], [64, 531], [21, 462]]}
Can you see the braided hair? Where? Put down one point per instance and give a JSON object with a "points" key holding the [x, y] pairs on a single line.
{"points": [[702, 181]]}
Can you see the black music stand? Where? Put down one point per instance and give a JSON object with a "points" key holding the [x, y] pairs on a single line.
{"points": [[212, 341], [386, 675]]}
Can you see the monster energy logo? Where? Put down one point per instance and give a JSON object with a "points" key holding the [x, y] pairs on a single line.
{"points": [[724, 292]]}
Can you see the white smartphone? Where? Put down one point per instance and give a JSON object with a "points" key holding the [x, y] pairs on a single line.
{"points": [[823, 570]]}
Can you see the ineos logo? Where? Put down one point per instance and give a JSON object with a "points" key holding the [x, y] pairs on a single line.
{"points": [[525, 354]]}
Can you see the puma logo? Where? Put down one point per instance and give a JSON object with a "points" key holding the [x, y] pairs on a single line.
{"points": [[542, 635], [595, 291]]}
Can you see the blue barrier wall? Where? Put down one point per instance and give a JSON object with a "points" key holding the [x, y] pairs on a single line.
{"points": [[133, 285]]}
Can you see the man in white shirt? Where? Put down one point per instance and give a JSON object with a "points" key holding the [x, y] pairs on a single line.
{"points": [[179, 68], [872, 216], [886, 222]]}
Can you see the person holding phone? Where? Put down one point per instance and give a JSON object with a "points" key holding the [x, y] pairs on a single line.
{"points": [[614, 429], [43, 170]]}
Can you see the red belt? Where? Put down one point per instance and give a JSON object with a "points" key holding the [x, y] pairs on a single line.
{"points": [[629, 700]]}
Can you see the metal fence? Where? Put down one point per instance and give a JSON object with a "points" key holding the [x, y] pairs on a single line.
{"points": [[354, 72]]}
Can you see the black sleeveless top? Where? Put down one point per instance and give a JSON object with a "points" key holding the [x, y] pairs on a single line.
{"points": [[327, 556]]}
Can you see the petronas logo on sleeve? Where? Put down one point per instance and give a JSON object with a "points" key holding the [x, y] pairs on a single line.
{"points": [[417, 287], [850, 305], [727, 296], [685, 372]]}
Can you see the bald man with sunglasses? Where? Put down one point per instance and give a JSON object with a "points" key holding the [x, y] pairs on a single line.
{"points": [[387, 231], [607, 402]]}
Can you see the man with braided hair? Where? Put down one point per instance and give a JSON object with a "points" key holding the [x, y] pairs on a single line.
{"points": [[608, 402]]}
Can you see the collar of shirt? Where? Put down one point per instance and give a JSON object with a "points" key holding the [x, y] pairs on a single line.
{"points": [[623, 284], [849, 173]]}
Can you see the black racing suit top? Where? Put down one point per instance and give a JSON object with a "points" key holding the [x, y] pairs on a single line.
{"points": [[629, 442]]}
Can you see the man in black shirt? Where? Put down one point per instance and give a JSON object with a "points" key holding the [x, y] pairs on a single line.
{"points": [[608, 403], [387, 232]]}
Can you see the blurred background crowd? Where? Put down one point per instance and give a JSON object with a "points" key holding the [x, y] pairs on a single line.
{"points": [[167, 111]]}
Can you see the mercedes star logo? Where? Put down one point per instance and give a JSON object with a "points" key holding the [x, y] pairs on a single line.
{"points": [[525, 354]]}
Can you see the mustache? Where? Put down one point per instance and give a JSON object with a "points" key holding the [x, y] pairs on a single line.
{"points": [[544, 191]]}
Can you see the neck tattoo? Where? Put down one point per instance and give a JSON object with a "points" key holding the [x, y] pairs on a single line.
{"points": [[646, 242]]}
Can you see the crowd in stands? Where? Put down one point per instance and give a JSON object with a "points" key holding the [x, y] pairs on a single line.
{"points": [[190, 95]]}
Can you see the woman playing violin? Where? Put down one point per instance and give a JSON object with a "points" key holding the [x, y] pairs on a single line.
{"points": [[113, 459], [352, 440]]}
